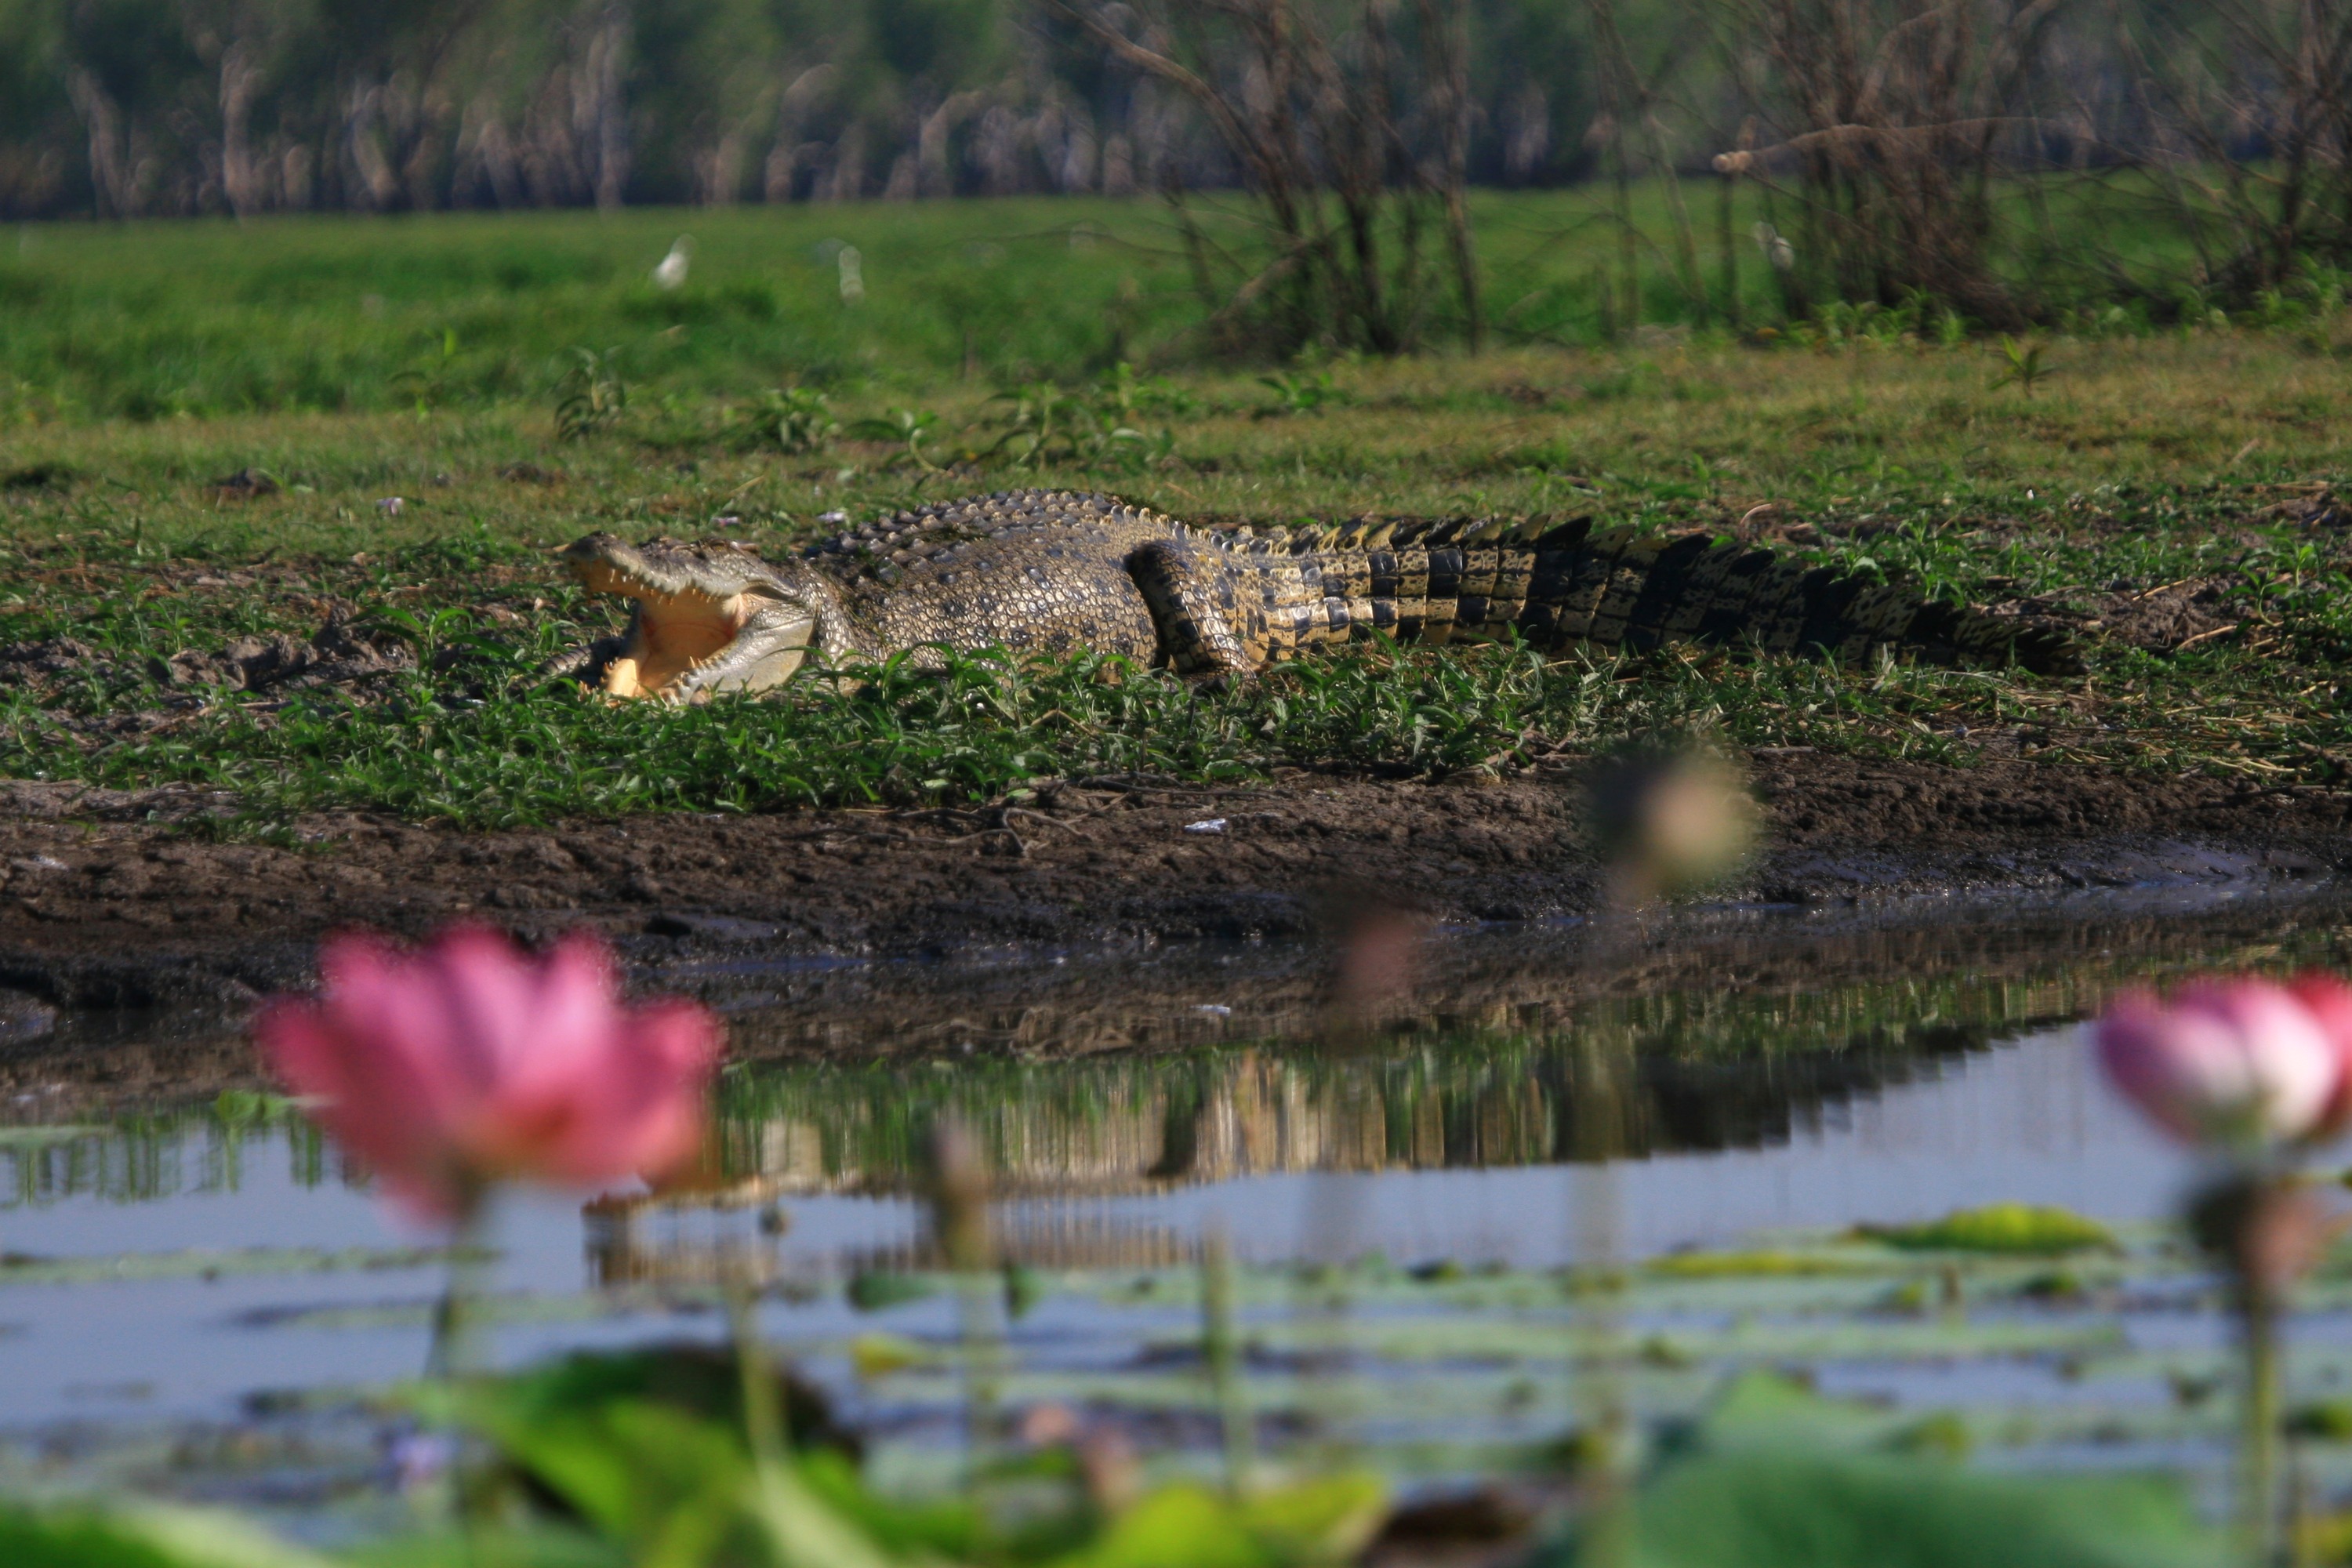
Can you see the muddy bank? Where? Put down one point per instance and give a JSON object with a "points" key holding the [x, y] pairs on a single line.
{"points": [[1680, 998], [101, 905]]}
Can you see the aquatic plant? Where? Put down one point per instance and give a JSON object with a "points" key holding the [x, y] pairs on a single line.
{"points": [[470, 1063], [2246, 1063], [1670, 819], [2254, 1074]]}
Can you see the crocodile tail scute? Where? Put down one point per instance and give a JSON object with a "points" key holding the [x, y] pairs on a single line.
{"points": [[1694, 587], [1554, 585]]}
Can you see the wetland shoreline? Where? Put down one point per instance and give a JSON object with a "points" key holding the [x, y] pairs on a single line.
{"points": [[99, 888]]}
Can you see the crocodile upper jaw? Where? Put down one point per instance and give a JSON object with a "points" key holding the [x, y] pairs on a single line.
{"points": [[680, 623]]}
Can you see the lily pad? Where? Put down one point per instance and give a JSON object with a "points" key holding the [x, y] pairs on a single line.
{"points": [[2009, 1228], [1766, 1508], [194, 1264], [873, 1291]]}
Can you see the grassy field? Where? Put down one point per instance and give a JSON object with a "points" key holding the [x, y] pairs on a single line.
{"points": [[155, 321], [340, 364]]}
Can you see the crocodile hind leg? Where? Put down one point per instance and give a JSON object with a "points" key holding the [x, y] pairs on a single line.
{"points": [[1193, 611]]}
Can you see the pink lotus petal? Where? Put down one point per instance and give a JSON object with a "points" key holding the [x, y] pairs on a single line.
{"points": [[2329, 1001], [471, 1062], [2236, 1062], [2131, 1039], [378, 995]]}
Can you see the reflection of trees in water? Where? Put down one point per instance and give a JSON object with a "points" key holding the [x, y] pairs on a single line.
{"points": [[138, 1160], [1517, 1050], [1627, 1078]]}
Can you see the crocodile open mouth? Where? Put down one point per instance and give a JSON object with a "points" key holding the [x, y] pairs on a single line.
{"points": [[677, 629]]}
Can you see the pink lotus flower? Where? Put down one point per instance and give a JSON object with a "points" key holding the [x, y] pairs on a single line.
{"points": [[2238, 1061], [471, 1062]]}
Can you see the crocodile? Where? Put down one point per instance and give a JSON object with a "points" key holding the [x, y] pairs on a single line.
{"points": [[1051, 573]]}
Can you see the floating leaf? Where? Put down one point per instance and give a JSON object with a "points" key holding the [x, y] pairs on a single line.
{"points": [[1765, 1508], [873, 1291], [1999, 1227], [879, 1355]]}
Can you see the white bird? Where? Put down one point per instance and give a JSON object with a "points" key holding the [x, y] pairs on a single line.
{"points": [[670, 270]]}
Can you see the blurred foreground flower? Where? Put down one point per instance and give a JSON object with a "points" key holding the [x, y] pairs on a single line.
{"points": [[2244, 1064], [1669, 820], [2259, 1074], [1380, 957], [471, 1062]]}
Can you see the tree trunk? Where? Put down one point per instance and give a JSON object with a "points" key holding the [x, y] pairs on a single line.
{"points": [[110, 172], [240, 76], [607, 70]]}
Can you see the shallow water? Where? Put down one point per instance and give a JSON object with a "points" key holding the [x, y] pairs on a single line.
{"points": [[2023, 1121], [191, 1271]]}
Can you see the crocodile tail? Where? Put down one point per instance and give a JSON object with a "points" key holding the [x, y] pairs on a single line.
{"points": [[1557, 585]]}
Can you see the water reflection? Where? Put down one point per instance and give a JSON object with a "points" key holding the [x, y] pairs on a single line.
{"points": [[1539, 1060], [1513, 1051], [1732, 1086], [1633, 1078], [140, 1159]]}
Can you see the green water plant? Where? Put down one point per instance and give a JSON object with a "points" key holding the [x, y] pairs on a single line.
{"points": [[1795, 1505], [2015, 1228]]}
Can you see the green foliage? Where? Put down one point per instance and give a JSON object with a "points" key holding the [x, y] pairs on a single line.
{"points": [[1322, 1521], [1783, 1507], [1023, 1288], [667, 1487], [590, 396], [703, 1381], [509, 747], [2000, 1227], [903, 427], [674, 1491], [2325, 1420], [470, 313], [1304, 391], [75, 1540], [2024, 366], [144, 1537], [1048, 427], [1123, 397], [795, 419], [2185, 459], [432, 379], [1774, 1475]]}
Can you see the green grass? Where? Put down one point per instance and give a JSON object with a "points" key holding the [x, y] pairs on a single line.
{"points": [[207, 318], [2142, 459]]}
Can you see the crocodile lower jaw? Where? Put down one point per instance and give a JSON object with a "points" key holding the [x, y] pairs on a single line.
{"points": [[672, 636]]}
